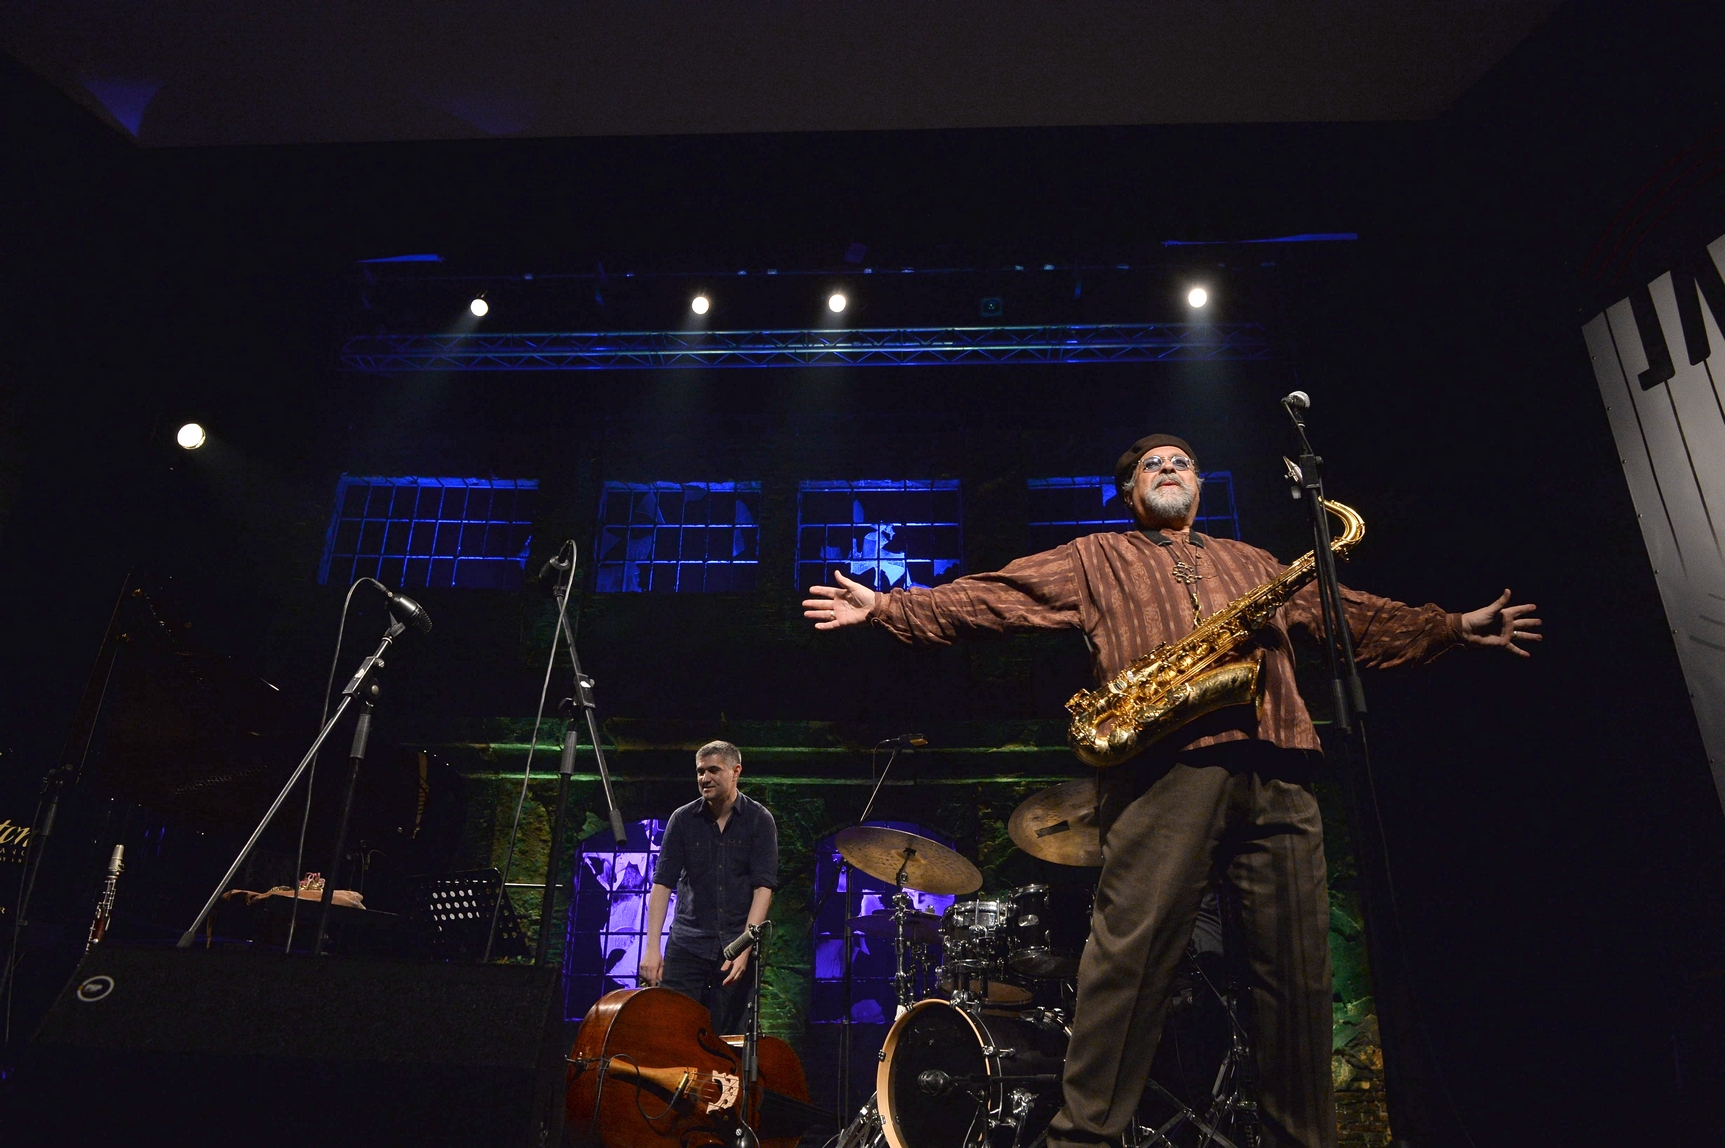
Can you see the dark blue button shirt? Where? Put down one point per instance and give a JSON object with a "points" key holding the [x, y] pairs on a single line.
{"points": [[716, 874]]}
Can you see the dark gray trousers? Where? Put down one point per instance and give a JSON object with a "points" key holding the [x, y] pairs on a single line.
{"points": [[1239, 810], [703, 979]]}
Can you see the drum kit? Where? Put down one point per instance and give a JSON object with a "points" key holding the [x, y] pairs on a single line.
{"points": [[977, 1063]]}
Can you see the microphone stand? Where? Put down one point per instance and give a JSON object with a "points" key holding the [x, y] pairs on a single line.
{"points": [[1406, 1070], [359, 684], [751, 1066], [582, 700], [356, 755]]}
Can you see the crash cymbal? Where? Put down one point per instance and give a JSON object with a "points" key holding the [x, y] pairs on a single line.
{"points": [[1059, 824], [919, 928], [929, 866]]}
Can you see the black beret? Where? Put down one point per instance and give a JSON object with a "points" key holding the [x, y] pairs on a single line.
{"points": [[1129, 461]]}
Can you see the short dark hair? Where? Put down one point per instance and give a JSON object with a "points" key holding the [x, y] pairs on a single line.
{"points": [[723, 750]]}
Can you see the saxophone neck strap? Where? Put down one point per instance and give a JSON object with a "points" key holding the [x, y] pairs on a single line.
{"points": [[1162, 539]]}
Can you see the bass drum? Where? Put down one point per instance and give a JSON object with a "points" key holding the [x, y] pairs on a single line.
{"points": [[953, 1077]]}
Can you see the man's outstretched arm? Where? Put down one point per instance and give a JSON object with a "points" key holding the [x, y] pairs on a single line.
{"points": [[1388, 633], [1035, 593]]}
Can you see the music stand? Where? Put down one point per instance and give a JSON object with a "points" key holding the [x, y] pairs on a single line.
{"points": [[454, 911]]}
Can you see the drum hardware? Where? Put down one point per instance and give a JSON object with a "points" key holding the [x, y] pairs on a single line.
{"points": [[909, 861], [920, 928], [864, 1130], [900, 911], [1232, 1096], [934, 1082]]}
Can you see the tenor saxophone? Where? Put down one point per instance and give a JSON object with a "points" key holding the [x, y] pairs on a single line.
{"points": [[1177, 682]]}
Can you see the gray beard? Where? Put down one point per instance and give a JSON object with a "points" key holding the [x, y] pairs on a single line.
{"points": [[1168, 502]]}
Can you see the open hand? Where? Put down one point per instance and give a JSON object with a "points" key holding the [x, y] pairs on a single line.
{"points": [[1501, 624], [733, 968], [843, 605]]}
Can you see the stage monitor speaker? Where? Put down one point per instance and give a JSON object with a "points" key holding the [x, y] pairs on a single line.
{"points": [[182, 1046]]}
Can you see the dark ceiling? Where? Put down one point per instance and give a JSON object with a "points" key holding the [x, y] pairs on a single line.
{"points": [[239, 72]]}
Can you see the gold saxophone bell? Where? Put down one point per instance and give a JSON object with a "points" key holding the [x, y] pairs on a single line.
{"points": [[1180, 681]]}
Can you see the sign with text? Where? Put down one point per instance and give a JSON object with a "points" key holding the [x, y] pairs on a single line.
{"points": [[1658, 356]]}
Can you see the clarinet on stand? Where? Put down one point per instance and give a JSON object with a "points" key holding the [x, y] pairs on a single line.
{"points": [[105, 907]]}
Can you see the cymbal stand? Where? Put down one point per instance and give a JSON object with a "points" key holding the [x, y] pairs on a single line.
{"points": [[900, 911], [359, 684], [845, 875], [1232, 1103]]}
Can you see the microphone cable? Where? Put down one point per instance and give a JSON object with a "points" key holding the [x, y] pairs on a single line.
{"points": [[532, 744], [311, 772], [903, 741]]}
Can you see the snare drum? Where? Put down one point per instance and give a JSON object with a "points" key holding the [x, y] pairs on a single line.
{"points": [[952, 1077], [1048, 930]]}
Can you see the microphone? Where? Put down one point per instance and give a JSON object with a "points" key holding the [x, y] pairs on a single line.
{"points": [[906, 740], [408, 612], [934, 1082], [556, 568], [746, 938], [1299, 400]]}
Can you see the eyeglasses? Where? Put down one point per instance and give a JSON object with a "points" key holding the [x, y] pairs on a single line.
{"points": [[1178, 462]]}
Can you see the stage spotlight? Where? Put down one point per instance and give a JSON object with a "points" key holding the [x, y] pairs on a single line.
{"points": [[479, 307], [190, 436], [700, 304], [1197, 297], [836, 302]]}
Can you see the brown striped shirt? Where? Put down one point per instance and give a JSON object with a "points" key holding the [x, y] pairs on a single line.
{"points": [[1121, 592]]}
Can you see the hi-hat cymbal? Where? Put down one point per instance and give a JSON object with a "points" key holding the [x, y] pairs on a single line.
{"points": [[1059, 824], [929, 866], [919, 928]]}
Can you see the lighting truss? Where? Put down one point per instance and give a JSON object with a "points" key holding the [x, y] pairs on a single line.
{"points": [[871, 347]]}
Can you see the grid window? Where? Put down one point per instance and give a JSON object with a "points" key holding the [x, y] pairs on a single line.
{"points": [[855, 893], [679, 537], [608, 914], [884, 533], [1062, 509], [431, 531]]}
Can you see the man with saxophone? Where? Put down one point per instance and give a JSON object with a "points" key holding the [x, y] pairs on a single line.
{"points": [[1226, 794]]}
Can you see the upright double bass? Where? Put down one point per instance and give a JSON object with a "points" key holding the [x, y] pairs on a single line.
{"points": [[648, 1071]]}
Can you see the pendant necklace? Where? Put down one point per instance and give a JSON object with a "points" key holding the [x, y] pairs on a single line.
{"points": [[1187, 574]]}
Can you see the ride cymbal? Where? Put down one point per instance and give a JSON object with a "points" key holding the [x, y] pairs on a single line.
{"points": [[929, 866], [1059, 824]]}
